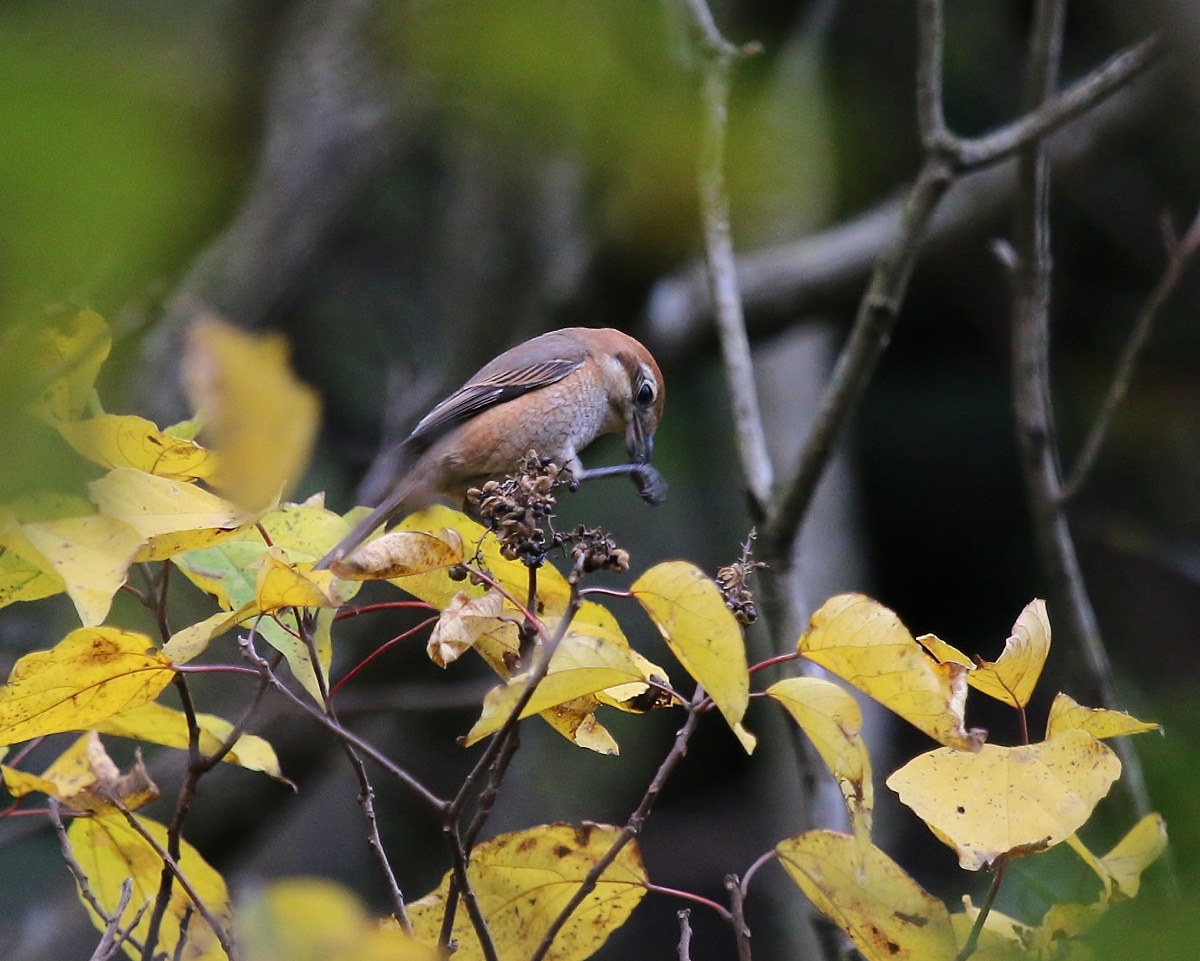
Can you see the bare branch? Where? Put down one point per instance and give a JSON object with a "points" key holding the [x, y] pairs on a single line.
{"points": [[81, 879], [685, 935], [718, 61], [931, 115], [823, 272], [1031, 385], [869, 337], [1178, 257], [632, 827], [737, 908], [223, 937]]}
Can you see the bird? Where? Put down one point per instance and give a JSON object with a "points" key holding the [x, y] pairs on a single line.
{"points": [[553, 394]]}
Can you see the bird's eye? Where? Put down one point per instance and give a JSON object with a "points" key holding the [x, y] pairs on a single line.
{"points": [[645, 394]]}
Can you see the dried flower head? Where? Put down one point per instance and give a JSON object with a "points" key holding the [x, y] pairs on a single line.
{"points": [[515, 507], [732, 581]]}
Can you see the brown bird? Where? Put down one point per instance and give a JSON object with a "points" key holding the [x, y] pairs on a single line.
{"points": [[554, 394]]}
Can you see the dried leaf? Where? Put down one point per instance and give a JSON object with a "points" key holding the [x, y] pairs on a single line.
{"points": [[402, 553], [1008, 800], [524, 879], [85, 779], [92, 674], [463, 622], [688, 610], [864, 643], [865, 893]]}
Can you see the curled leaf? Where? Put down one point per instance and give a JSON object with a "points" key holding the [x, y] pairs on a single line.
{"points": [[402, 553], [688, 610], [1012, 678], [831, 719]]}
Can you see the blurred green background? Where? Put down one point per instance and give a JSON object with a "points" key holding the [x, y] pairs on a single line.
{"points": [[406, 188]]}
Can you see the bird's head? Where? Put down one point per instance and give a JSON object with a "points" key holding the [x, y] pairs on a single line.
{"points": [[635, 389]]}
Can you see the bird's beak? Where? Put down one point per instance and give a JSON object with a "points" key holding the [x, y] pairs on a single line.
{"points": [[639, 442]]}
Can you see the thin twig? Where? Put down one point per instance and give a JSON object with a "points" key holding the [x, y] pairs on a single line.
{"points": [[931, 115], [737, 908], [685, 934], [366, 800], [632, 827], [115, 935], [1036, 432], [462, 888], [712, 905], [81, 879], [1178, 257], [426, 795], [972, 941], [223, 937], [718, 60]]}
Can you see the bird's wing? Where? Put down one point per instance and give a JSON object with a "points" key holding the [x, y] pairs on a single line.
{"points": [[543, 361]]}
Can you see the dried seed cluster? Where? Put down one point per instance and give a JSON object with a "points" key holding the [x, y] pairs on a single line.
{"points": [[732, 582], [515, 507], [593, 550]]}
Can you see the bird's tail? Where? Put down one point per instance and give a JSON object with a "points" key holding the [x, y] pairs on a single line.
{"points": [[362, 530]]}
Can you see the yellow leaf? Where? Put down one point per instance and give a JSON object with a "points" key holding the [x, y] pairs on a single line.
{"points": [[1002, 938], [436, 587], [282, 583], [831, 719], [23, 579], [945, 653], [1012, 678], [71, 354], [171, 515], [109, 850], [888, 916], [1120, 871], [463, 622], [702, 632], [524, 879], [587, 660], [158, 724], [312, 919], [261, 419], [1067, 714], [190, 642], [576, 721], [115, 440], [91, 554], [864, 643], [1057, 938], [1008, 800], [86, 779], [93, 673], [402, 553]]}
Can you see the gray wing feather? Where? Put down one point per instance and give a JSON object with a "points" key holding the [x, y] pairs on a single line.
{"points": [[546, 360]]}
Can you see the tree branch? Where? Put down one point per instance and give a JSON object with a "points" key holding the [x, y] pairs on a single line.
{"points": [[1036, 433], [719, 58], [1179, 254]]}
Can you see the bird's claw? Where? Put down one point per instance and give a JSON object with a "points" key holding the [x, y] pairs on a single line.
{"points": [[650, 484]]}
